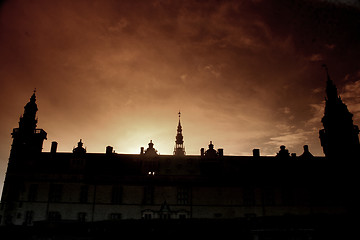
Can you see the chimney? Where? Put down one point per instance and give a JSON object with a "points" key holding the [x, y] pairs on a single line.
{"points": [[256, 152], [202, 152], [109, 150], [306, 148], [221, 152], [142, 151], [53, 147]]}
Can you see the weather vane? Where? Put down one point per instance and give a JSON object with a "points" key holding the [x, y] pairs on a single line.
{"points": [[179, 113]]}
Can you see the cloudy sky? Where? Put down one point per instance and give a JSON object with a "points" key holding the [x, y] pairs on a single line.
{"points": [[245, 74]]}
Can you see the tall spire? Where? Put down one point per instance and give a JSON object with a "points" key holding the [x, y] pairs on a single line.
{"points": [[339, 137], [331, 90], [28, 120], [179, 149], [179, 128]]}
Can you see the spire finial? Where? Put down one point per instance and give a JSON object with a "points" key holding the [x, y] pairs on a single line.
{"points": [[33, 96], [326, 68], [80, 143], [179, 113], [331, 90], [327, 71]]}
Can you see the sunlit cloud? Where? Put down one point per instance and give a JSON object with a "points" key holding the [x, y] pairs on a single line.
{"points": [[317, 113], [291, 139], [316, 58], [351, 96]]}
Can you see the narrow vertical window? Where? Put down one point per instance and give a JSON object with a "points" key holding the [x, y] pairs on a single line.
{"points": [[55, 193], [116, 194], [249, 197], [183, 195], [29, 216], [82, 217]]}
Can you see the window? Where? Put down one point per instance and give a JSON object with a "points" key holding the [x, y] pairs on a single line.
{"points": [[33, 191], [147, 215], [54, 216], [148, 195], [29, 216], [55, 192], [183, 194], [84, 194], [82, 217], [249, 197], [116, 195], [115, 216], [165, 216]]}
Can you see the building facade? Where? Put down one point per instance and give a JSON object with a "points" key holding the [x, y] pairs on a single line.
{"points": [[82, 187]]}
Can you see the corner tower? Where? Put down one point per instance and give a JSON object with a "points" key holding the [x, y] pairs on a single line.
{"points": [[339, 138], [27, 139], [179, 149]]}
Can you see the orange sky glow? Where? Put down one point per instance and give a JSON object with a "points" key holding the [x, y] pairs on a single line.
{"points": [[244, 74]]}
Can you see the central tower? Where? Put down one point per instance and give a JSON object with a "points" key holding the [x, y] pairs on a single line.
{"points": [[179, 149]]}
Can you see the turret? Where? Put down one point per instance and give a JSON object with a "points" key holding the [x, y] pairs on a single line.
{"points": [[151, 151], [211, 152], [79, 150]]}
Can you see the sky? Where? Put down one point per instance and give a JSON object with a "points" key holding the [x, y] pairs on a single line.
{"points": [[244, 74]]}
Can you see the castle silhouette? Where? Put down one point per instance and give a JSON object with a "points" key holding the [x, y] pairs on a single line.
{"points": [[210, 193]]}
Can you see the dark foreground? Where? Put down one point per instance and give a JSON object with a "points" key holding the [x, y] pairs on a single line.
{"points": [[267, 228]]}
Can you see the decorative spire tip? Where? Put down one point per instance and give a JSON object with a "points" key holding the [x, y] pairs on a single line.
{"points": [[327, 71]]}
